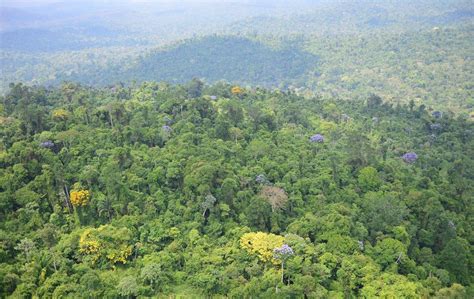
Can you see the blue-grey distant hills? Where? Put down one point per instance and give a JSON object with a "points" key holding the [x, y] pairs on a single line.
{"points": [[214, 58]]}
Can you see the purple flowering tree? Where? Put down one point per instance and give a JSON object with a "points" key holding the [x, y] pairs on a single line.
{"points": [[317, 138], [410, 157], [435, 127], [47, 144], [437, 114], [166, 128], [283, 253]]}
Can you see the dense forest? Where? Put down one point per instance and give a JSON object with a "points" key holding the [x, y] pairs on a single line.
{"points": [[402, 50], [213, 58], [432, 67], [237, 149], [199, 190]]}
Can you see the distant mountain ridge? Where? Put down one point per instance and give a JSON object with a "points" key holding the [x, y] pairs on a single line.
{"points": [[214, 58]]}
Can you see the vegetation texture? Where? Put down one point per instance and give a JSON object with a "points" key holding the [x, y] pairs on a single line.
{"points": [[218, 190]]}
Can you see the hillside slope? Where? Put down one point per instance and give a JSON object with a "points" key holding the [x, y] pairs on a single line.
{"points": [[230, 58]]}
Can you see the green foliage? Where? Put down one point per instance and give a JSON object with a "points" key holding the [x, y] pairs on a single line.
{"points": [[128, 286], [233, 58], [106, 244], [402, 50], [390, 285], [388, 252], [369, 179], [457, 258], [183, 213]]}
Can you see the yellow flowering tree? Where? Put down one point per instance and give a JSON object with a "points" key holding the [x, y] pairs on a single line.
{"points": [[60, 114], [106, 244], [80, 198], [262, 244], [237, 90]]}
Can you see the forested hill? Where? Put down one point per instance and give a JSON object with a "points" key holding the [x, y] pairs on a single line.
{"points": [[213, 58], [207, 191], [433, 66]]}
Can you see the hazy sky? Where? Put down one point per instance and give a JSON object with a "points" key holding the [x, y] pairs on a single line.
{"points": [[42, 2], [25, 2]]}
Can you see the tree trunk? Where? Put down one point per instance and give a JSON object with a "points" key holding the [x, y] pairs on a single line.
{"points": [[67, 198], [282, 268], [111, 120]]}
